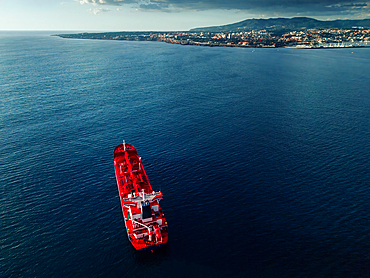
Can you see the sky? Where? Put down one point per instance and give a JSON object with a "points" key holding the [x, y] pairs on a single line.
{"points": [[163, 15]]}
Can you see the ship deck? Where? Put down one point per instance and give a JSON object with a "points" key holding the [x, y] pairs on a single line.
{"points": [[140, 204]]}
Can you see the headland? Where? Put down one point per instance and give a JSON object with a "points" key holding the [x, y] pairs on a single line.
{"points": [[301, 33]]}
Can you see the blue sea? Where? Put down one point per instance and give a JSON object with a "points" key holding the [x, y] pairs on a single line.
{"points": [[263, 157]]}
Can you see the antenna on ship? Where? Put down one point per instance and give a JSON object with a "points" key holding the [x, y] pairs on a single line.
{"points": [[124, 145], [139, 163]]}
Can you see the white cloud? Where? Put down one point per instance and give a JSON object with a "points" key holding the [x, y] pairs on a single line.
{"points": [[94, 2], [98, 10], [107, 2]]}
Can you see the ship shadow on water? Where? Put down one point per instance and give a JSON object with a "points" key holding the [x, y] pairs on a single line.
{"points": [[148, 257], [149, 262]]}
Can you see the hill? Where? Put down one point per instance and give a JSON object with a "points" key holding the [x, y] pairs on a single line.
{"points": [[296, 23]]}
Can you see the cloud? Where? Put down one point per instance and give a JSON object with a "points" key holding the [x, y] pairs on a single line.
{"points": [[272, 8], [153, 7], [98, 10], [107, 2]]}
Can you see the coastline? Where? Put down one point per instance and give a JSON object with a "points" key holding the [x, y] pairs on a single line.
{"points": [[253, 39]]}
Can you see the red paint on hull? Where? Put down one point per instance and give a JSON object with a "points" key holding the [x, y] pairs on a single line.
{"points": [[144, 219]]}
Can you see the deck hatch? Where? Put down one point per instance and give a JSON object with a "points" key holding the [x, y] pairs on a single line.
{"points": [[147, 212]]}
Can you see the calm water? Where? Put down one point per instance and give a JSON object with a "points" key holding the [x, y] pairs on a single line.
{"points": [[263, 158]]}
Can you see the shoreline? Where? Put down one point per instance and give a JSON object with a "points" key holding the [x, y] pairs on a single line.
{"points": [[241, 44]]}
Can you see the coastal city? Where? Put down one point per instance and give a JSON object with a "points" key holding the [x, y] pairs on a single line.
{"points": [[308, 38]]}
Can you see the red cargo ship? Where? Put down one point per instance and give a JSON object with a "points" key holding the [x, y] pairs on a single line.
{"points": [[144, 219]]}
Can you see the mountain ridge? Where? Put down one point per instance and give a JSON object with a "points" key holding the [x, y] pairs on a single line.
{"points": [[295, 23]]}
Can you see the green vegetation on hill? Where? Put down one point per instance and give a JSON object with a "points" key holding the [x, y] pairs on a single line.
{"points": [[296, 23]]}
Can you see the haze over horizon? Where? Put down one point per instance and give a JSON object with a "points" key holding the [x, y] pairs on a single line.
{"points": [[163, 15]]}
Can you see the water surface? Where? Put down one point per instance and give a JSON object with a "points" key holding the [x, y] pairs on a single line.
{"points": [[262, 157]]}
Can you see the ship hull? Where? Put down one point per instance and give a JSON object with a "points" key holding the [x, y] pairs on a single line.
{"points": [[144, 220]]}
